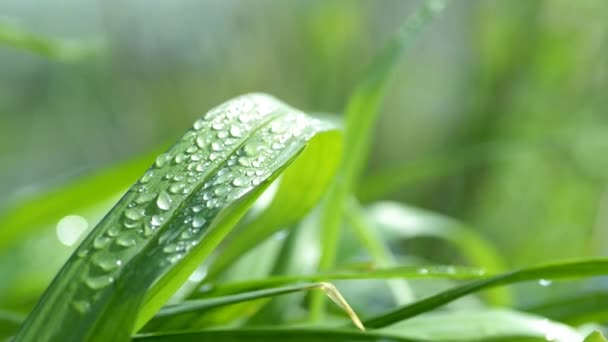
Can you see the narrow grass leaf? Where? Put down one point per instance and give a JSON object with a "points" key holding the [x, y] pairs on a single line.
{"points": [[405, 272], [170, 220], [563, 270], [203, 305], [361, 112], [275, 334]]}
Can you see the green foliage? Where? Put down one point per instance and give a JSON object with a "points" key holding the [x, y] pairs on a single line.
{"points": [[234, 232]]}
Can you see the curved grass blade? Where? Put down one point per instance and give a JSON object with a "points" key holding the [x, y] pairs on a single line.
{"points": [[407, 272], [275, 334], [361, 112], [203, 305], [168, 222], [63, 51], [564, 270]]}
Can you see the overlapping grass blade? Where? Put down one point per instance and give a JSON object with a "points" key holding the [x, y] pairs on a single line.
{"points": [[9, 323], [168, 222], [203, 305], [574, 309], [564, 270], [361, 112], [405, 272]]}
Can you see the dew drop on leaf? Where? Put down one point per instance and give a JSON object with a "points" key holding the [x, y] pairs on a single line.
{"points": [[163, 202]]}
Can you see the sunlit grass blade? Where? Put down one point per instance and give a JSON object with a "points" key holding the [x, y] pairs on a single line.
{"points": [[275, 334], [595, 336], [203, 305], [169, 221], [361, 112], [403, 272], [469, 325], [64, 51], [564, 270], [300, 188]]}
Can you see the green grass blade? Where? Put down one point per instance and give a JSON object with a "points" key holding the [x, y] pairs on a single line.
{"points": [[63, 51], [405, 272], [169, 221], [575, 309], [404, 221], [203, 305], [300, 188], [377, 248], [470, 325], [361, 112], [595, 336], [74, 197], [275, 334], [563, 270]]}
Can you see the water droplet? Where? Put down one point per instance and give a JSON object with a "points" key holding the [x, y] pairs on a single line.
{"points": [[222, 134], [126, 240], [198, 124], [101, 241], [544, 282], [423, 271], [244, 161], [213, 156], [82, 253], [180, 158], [216, 146], [134, 214], [106, 261], [197, 208], [191, 149], [96, 283], [147, 176], [196, 157], [198, 221], [252, 149], [172, 248], [239, 181], [200, 142], [157, 220], [82, 306], [162, 159], [176, 188], [113, 231], [130, 224], [163, 202], [70, 229], [277, 127], [221, 190], [235, 131], [218, 125], [277, 146], [145, 197]]}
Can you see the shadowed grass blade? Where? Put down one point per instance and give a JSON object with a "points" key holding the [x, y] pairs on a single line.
{"points": [[168, 222], [564, 270]]}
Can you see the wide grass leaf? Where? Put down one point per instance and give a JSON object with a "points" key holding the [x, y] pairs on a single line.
{"points": [[171, 220]]}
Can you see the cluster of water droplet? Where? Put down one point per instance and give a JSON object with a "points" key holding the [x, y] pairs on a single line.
{"points": [[214, 163]]}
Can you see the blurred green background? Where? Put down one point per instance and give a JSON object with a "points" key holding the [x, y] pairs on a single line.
{"points": [[500, 108]]}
